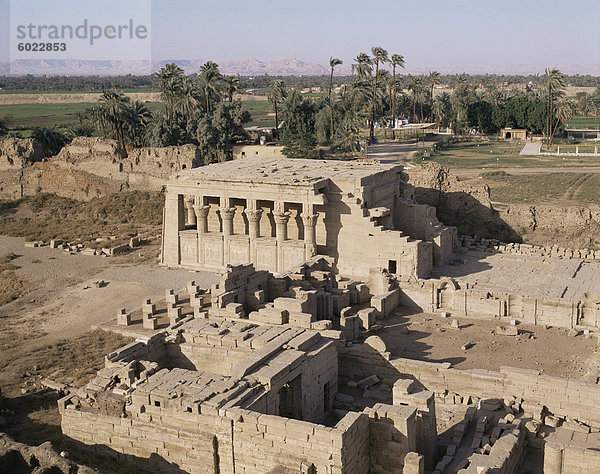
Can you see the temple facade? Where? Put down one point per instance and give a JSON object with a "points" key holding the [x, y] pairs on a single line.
{"points": [[276, 213]]}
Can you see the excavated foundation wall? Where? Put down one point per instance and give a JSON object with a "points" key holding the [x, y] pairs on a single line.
{"points": [[563, 397], [467, 206], [235, 440]]}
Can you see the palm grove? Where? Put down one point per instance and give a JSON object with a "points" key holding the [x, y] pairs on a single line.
{"points": [[201, 110]]}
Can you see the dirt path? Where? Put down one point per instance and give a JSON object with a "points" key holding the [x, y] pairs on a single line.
{"points": [[400, 153], [573, 191]]}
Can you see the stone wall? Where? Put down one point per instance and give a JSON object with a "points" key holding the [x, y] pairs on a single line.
{"points": [[266, 151], [420, 222], [504, 458], [573, 398], [143, 168], [165, 441], [16, 153], [479, 244], [392, 435], [88, 168], [567, 454], [444, 295], [188, 442]]}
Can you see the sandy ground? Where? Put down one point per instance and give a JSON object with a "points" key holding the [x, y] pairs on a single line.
{"points": [[47, 332], [550, 350], [538, 277], [63, 301]]}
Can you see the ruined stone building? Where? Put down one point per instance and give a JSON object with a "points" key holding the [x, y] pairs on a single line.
{"points": [[276, 213], [287, 373], [283, 365]]}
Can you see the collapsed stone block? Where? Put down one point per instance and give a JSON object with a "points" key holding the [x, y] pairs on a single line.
{"points": [[254, 299], [368, 381], [150, 323], [270, 315], [350, 327], [196, 301], [236, 310], [414, 463], [321, 325], [367, 317], [55, 243], [148, 308], [376, 343], [171, 297], [123, 318], [303, 320], [174, 313], [507, 330]]}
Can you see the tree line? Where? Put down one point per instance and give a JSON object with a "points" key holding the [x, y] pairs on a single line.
{"points": [[200, 109], [86, 83]]}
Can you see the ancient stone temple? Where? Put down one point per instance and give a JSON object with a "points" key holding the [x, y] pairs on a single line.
{"points": [[276, 213]]}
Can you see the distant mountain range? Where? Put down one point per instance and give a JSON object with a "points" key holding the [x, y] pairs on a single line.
{"points": [[253, 67], [246, 67]]}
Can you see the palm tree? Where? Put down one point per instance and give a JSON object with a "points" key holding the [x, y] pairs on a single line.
{"points": [[433, 80], [583, 102], [555, 83], [442, 109], [595, 101], [277, 94], [396, 60], [564, 112], [232, 84], [113, 112], [210, 77], [188, 98], [380, 55], [169, 81], [415, 86], [362, 66], [138, 116], [333, 62]]}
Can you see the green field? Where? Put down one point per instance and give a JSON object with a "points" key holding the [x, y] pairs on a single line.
{"points": [[261, 112], [583, 122], [500, 154], [35, 92], [28, 116], [545, 187], [47, 115]]}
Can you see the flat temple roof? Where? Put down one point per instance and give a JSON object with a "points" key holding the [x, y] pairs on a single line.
{"points": [[288, 171]]}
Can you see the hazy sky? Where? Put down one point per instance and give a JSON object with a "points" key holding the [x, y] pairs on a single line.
{"points": [[431, 33]]}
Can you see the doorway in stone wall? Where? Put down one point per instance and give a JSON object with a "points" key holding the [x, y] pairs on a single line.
{"points": [[290, 399]]}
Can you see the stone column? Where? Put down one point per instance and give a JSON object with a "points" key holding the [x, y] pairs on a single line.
{"points": [[227, 214], [281, 221], [190, 214], [253, 216], [310, 223], [202, 217], [281, 218]]}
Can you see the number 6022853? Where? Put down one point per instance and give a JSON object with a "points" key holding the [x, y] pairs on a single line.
{"points": [[42, 46]]}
